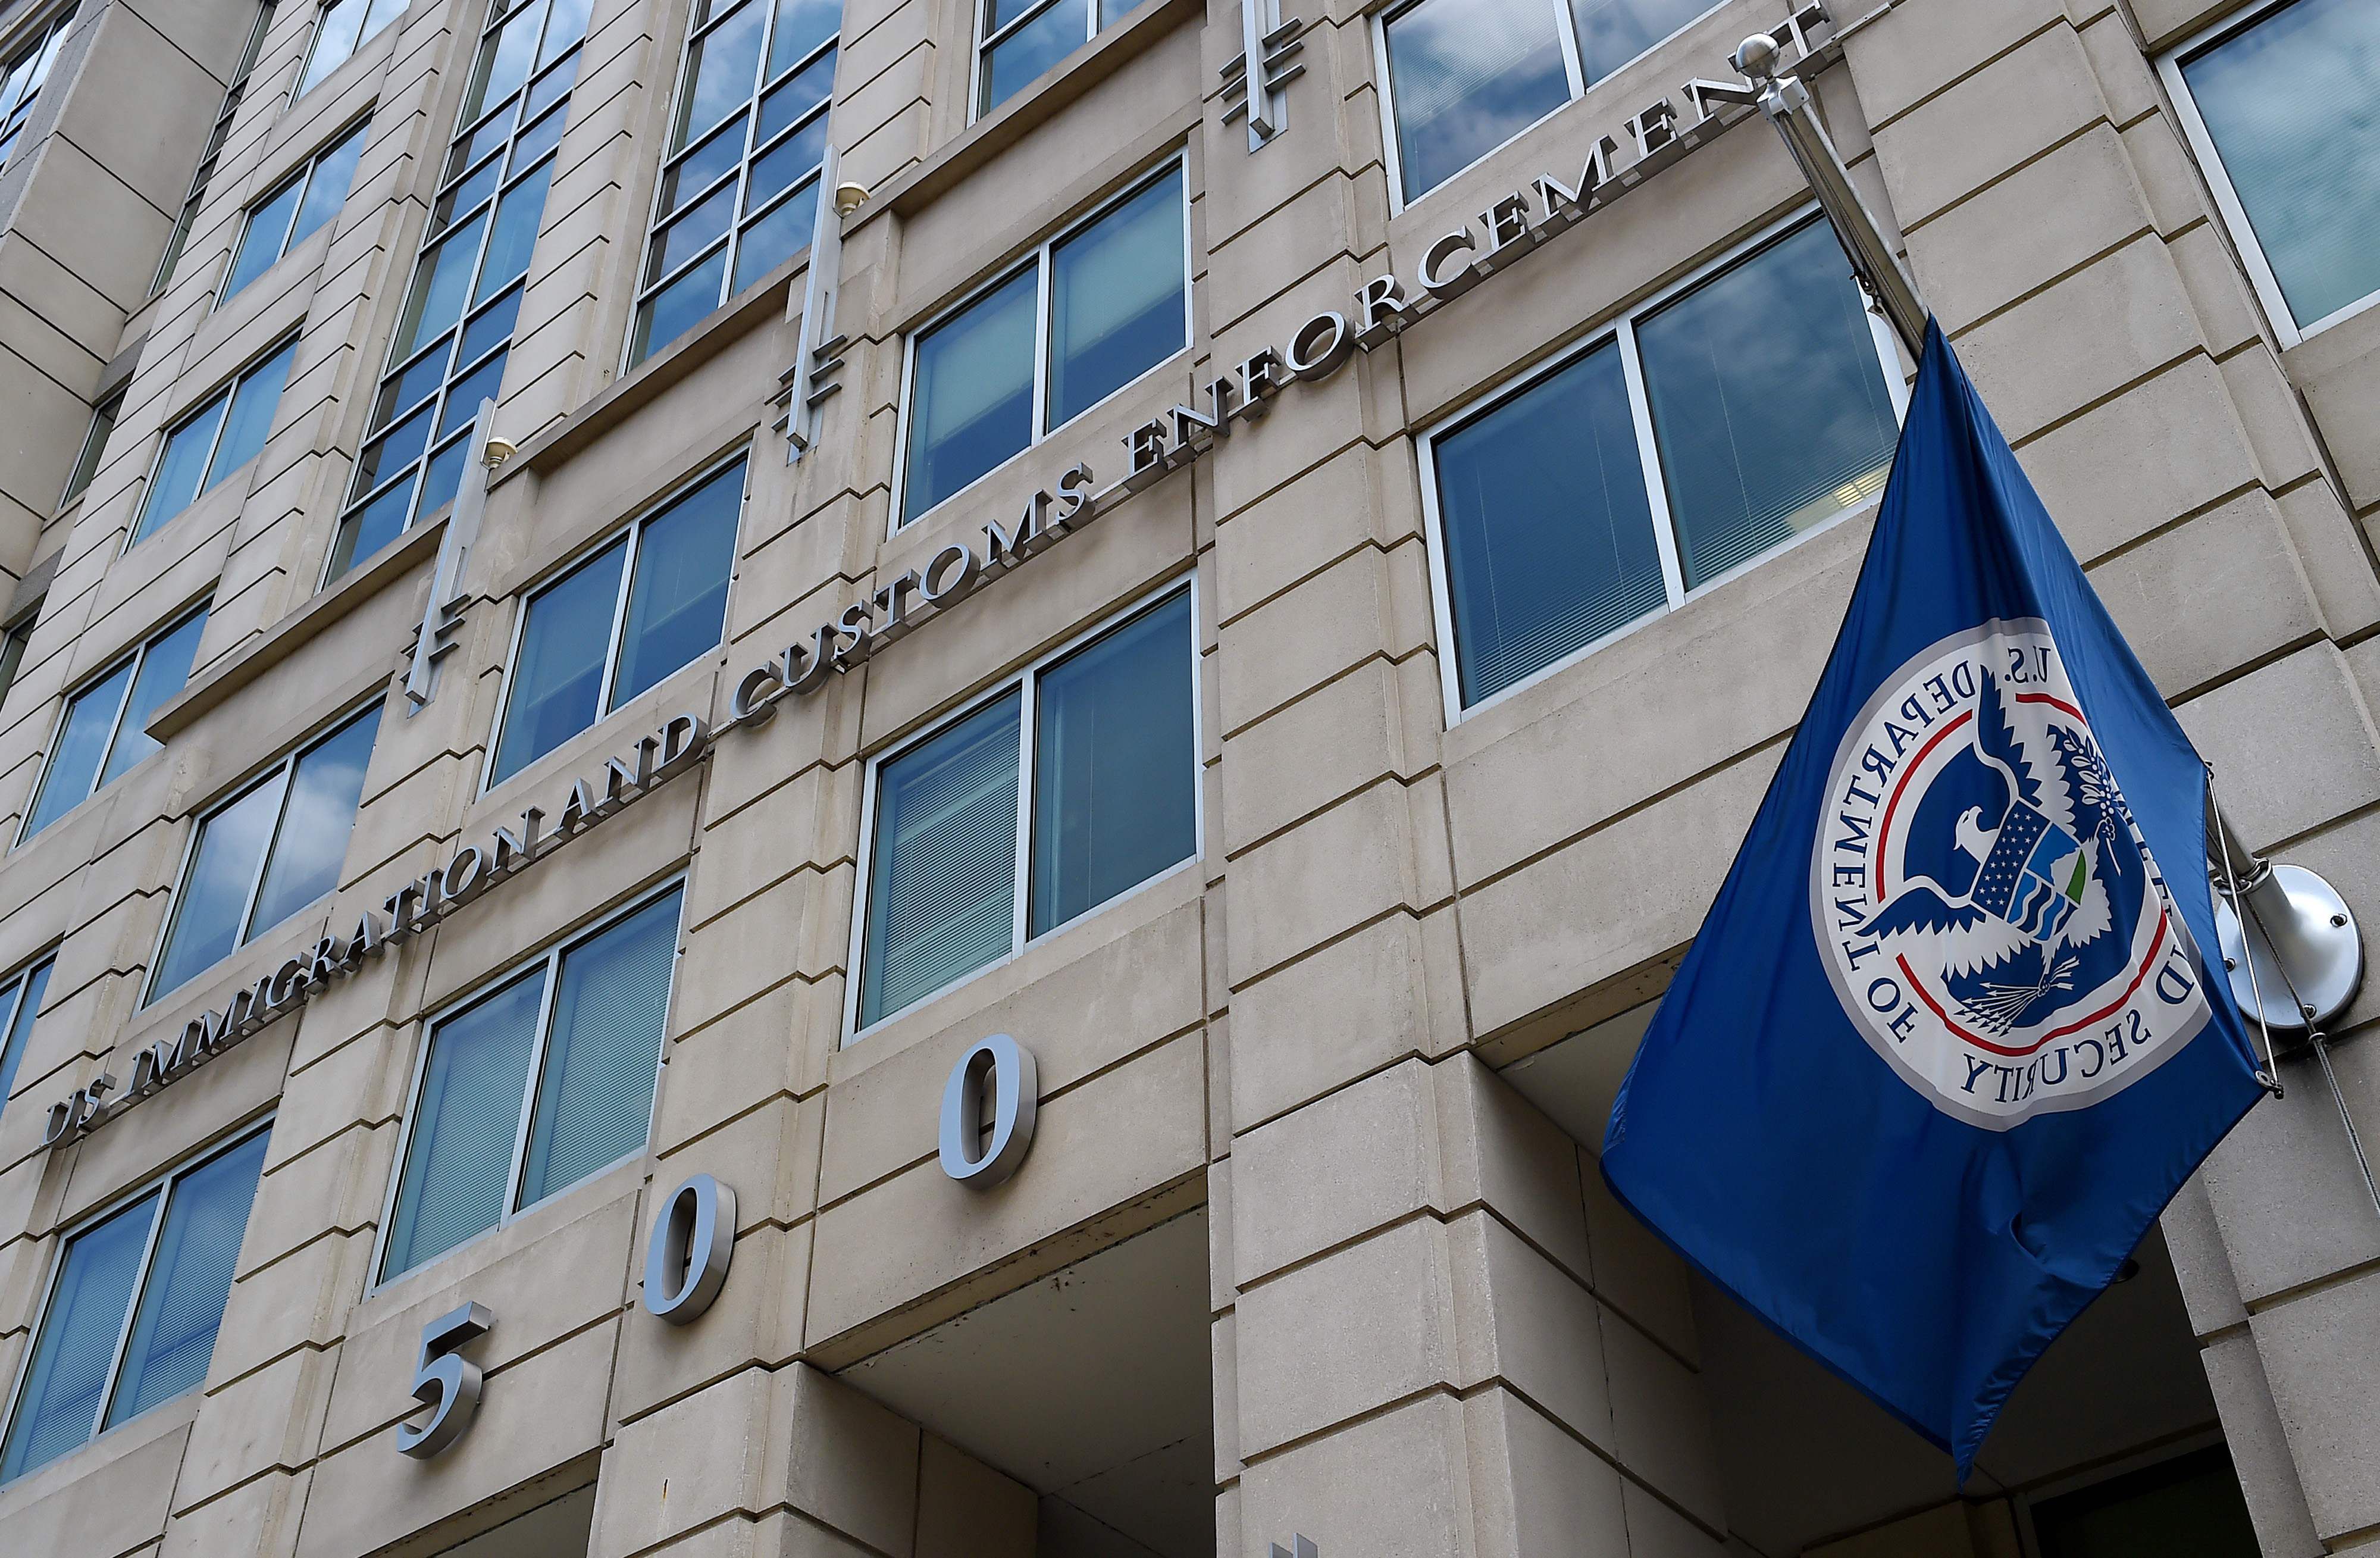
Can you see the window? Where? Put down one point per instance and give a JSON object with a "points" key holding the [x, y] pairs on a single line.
{"points": [[2292, 176], [1103, 738], [1466, 76], [104, 730], [21, 79], [449, 350], [649, 603], [740, 191], [533, 1086], [343, 26], [94, 443], [213, 441], [1087, 315], [2191, 1503], [12, 648], [266, 853], [132, 1313], [1022, 39], [1711, 426], [206, 170], [297, 207], [20, 1002]]}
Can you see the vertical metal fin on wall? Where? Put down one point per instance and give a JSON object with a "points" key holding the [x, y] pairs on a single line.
{"points": [[808, 382]]}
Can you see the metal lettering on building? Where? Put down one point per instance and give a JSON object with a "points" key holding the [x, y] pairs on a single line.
{"points": [[1512, 226], [412, 910]]}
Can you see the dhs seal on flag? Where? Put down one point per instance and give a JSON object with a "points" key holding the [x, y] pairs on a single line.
{"points": [[1994, 923]]}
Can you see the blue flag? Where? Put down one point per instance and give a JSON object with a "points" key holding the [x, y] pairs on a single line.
{"points": [[1947, 1045]]}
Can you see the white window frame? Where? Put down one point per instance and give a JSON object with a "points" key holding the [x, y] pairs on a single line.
{"points": [[1573, 68], [986, 42], [1622, 331], [282, 771], [172, 258], [12, 999], [225, 391], [314, 41], [2277, 312], [302, 176], [551, 961], [1038, 258], [93, 447], [436, 404], [1027, 679], [634, 529], [135, 659], [48, 39], [740, 180], [162, 1187]]}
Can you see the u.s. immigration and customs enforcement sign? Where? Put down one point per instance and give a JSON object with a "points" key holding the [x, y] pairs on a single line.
{"points": [[1991, 918]]}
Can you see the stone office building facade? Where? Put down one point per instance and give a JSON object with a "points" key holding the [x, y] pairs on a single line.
{"points": [[507, 914]]}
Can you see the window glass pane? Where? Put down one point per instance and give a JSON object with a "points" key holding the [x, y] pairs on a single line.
{"points": [[1548, 535], [1116, 298], [719, 70], [1769, 404], [508, 249], [445, 473], [214, 899], [439, 284], [1612, 32], [595, 1098], [774, 171], [1114, 766], [252, 405], [23, 1003], [703, 167], [801, 26], [82, 748], [312, 840], [677, 603], [504, 60], [2304, 171], [971, 400], [94, 442], [394, 450], [564, 29], [558, 681], [679, 306], [941, 894], [1466, 76], [795, 96], [1019, 59], [2191, 1503], [490, 327], [460, 1156], [163, 671], [768, 241], [260, 246], [190, 1277], [693, 230], [334, 40], [326, 187], [180, 467], [373, 527], [463, 401], [537, 140], [58, 1404]]}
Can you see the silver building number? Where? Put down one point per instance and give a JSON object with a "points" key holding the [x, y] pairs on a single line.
{"points": [[693, 1239], [447, 1380], [1015, 1095]]}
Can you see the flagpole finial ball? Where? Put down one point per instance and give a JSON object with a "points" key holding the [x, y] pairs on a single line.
{"points": [[1758, 58]]}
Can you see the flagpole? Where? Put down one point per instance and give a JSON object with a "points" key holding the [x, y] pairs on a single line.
{"points": [[2280, 925]]}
